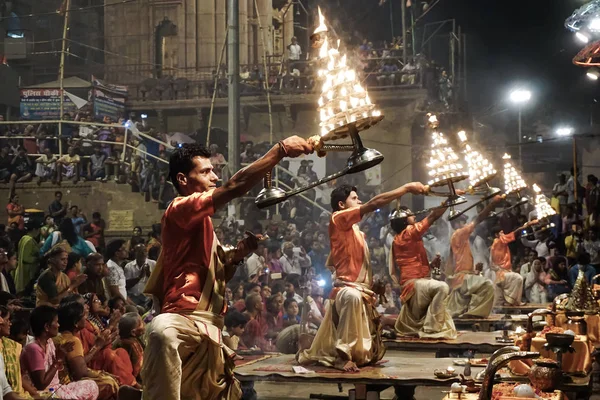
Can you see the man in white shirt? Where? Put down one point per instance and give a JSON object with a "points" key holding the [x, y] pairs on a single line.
{"points": [[526, 268], [137, 273], [294, 259], [592, 247], [255, 264], [116, 283], [294, 50]]}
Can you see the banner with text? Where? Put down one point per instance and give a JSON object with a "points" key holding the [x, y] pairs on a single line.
{"points": [[107, 104], [44, 104]]}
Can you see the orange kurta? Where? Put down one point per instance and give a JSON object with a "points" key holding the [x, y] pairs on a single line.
{"points": [[349, 251], [410, 257], [461, 251], [500, 254]]}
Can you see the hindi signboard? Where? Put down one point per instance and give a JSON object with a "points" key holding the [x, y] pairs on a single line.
{"points": [[44, 104]]}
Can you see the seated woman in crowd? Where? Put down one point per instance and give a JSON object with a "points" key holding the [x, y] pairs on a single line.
{"points": [[8, 263], [71, 320], [100, 323], [557, 277], [535, 283], [74, 266], [96, 270], [42, 360], [11, 353], [53, 284], [131, 331], [391, 303], [68, 238]]}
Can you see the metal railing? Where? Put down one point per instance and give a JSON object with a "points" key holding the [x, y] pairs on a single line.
{"points": [[193, 83]]}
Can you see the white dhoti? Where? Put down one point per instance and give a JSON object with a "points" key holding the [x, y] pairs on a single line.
{"points": [[509, 289], [475, 297], [350, 331], [425, 313], [186, 359]]}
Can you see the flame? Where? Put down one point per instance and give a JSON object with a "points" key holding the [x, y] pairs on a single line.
{"points": [[462, 135], [506, 156], [536, 188], [322, 27]]}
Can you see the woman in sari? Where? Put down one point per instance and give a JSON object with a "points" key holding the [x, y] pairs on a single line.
{"points": [[535, 284], [11, 352], [42, 360], [131, 330], [15, 211], [66, 237], [71, 319], [115, 362], [53, 284]]}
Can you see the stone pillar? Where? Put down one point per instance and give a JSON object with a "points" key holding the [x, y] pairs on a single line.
{"points": [[205, 36], [265, 10], [288, 30], [200, 118], [188, 31], [220, 28], [244, 32]]}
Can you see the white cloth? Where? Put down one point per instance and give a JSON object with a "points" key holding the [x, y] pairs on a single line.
{"points": [[562, 199], [295, 51], [295, 264], [132, 270], [4, 283], [4, 386], [535, 292], [475, 297], [509, 289], [254, 265], [116, 277], [525, 268]]}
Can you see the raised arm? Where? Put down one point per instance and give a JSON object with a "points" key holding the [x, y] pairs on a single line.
{"points": [[487, 210], [386, 198], [247, 177], [435, 215]]}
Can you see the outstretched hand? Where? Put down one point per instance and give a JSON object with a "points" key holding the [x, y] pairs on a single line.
{"points": [[296, 146], [416, 188]]}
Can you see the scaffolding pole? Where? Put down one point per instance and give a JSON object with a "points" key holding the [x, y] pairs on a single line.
{"points": [[61, 74]]}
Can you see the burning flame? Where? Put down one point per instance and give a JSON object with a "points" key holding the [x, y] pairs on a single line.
{"points": [[443, 161], [542, 207], [480, 169], [322, 27], [343, 100], [513, 181]]}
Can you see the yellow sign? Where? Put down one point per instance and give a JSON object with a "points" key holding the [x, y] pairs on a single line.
{"points": [[121, 220]]}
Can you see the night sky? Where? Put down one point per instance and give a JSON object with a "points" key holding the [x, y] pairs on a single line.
{"points": [[509, 43]]}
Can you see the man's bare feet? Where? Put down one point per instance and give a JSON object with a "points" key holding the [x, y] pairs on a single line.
{"points": [[346, 366]]}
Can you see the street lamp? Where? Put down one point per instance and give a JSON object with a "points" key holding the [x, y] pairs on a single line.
{"points": [[564, 131], [520, 97]]}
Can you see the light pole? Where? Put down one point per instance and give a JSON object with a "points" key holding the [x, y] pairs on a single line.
{"points": [[520, 97]]}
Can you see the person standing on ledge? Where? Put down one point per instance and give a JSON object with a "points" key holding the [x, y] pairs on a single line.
{"points": [[184, 356]]}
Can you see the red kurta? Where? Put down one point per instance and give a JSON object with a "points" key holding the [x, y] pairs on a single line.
{"points": [[410, 257], [188, 249]]}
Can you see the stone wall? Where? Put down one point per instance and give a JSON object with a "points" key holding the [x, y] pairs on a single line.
{"points": [[120, 208]]}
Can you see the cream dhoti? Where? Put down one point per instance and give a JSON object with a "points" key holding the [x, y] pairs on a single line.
{"points": [[424, 313], [350, 331], [474, 297], [190, 361]]}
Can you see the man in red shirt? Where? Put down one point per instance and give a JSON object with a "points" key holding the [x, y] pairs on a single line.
{"points": [[423, 299], [185, 357], [350, 334]]}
